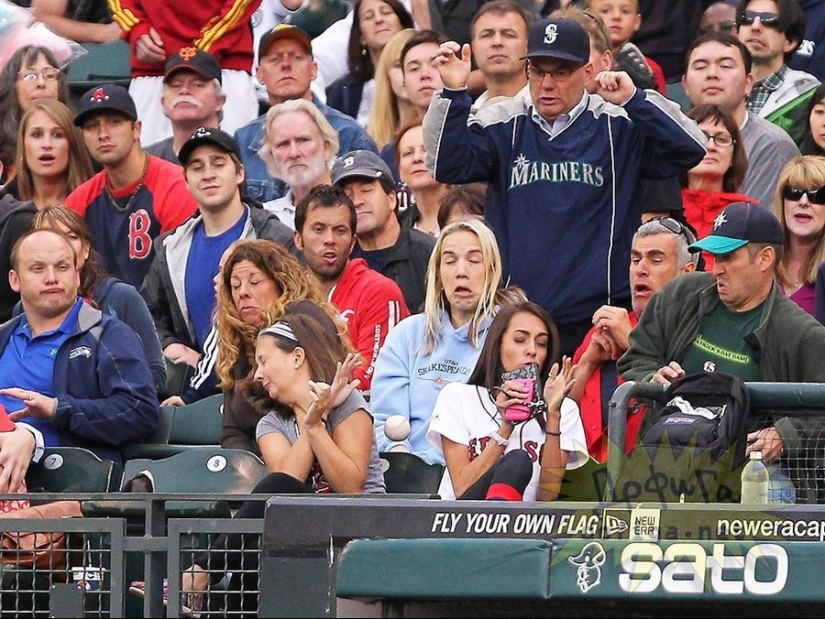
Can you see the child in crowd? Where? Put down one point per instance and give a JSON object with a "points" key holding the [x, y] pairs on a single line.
{"points": [[623, 19]]}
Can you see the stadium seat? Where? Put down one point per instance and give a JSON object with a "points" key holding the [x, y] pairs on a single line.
{"points": [[406, 473], [69, 468], [318, 15], [676, 92], [105, 63], [182, 428], [178, 375]]}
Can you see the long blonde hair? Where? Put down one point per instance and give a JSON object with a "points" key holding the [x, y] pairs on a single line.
{"points": [[385, 116], [801, 171], [436, 299], [236, 338], [79, 168]]}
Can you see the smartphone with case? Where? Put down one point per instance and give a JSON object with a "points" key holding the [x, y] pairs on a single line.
{"points": [[528, 377]]}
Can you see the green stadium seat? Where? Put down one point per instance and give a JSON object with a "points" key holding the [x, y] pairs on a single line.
{"points": [[74, 468], [181, 428], [406, 473]]}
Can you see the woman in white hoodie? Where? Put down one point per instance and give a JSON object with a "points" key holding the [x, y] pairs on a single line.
{"points": [[426, 351]]}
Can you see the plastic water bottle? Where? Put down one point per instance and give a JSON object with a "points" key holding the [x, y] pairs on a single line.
{"points": [[755, 480]]}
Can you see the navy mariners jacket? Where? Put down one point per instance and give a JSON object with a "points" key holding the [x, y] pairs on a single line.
{"points": [[561, 206], [105, 394]]}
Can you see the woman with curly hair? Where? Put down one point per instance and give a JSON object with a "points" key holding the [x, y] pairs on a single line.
{"points": [[31, 73], [257, 283]]}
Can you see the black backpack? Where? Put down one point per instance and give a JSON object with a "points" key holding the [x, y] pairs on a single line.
{"points": [[691, 443]]}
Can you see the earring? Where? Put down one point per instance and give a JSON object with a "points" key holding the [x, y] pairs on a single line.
{"points": [[363, 50], [297, 364]]}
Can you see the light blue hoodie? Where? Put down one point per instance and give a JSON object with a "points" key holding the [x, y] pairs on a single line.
{"points": [[407, 382]]}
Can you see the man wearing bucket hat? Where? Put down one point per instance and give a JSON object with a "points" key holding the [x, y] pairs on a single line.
{"points": [[563, 168], [734, 319]]}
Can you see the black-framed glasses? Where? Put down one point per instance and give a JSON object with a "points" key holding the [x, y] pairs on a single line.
{"points": [[765, 18], [720, 139], [676, 227], [559, 74], [815, 196]]}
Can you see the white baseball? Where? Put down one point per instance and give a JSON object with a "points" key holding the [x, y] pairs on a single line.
{"points": [[397, 428]]}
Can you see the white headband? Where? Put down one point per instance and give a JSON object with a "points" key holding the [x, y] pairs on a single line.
{"points": [[281, 330]]}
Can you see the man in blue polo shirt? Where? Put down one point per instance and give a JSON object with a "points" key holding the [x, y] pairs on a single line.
{"points": [[78, 376]]}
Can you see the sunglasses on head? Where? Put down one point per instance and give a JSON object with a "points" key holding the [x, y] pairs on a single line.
{"points": [[766, 19], [676, 227], [815, 196]]}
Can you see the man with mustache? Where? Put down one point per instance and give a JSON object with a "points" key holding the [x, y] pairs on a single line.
{"points": [[192, 97]]}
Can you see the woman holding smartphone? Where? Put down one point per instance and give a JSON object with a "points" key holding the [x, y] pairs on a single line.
{"points": [[492, 453]]}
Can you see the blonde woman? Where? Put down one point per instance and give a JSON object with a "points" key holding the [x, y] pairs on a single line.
{"points": [[391, 107], [800, 207], [426, 351], [52, 160]]}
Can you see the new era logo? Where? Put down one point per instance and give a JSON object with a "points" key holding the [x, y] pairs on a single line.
{"points": [[613, 525]]}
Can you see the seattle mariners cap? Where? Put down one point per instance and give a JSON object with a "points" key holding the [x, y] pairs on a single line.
{"points": [[737, 225], [105, 98], [562, 39], [208, 135], [284, 31], [195, 60], [360, 164]]}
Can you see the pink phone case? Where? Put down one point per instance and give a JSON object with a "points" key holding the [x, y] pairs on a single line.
{"points": [[521, 412]]}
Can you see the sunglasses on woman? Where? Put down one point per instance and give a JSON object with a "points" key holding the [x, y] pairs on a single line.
{"points": [[815, 196]]}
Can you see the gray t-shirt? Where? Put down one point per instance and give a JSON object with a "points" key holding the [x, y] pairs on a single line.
{"points": [[272, 422]]}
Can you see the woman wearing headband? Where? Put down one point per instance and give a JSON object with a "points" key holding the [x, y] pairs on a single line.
{"points": [[316, 437]]}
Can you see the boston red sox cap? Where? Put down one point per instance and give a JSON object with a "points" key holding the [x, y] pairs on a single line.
{"points": [[105, 98]]}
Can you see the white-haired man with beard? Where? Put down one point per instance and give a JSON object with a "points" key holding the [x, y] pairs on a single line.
{"points": [[192, 97], [299, 147]]}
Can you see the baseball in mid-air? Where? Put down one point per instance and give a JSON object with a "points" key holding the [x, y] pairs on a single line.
{"points": [[397, 428]]}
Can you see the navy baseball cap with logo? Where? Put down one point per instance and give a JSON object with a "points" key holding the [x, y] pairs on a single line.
{"points": [[284, 31], [195, 60], [359, 164], [562, 39], [737, 225], [105, 98], [208, 135]]}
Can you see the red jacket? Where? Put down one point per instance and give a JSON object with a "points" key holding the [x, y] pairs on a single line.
{"points": [[371, 304], [591, 407], [701, 208], [221, 27]]}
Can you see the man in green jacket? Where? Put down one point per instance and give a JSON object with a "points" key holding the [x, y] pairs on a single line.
{"points": [[734, 319]]}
